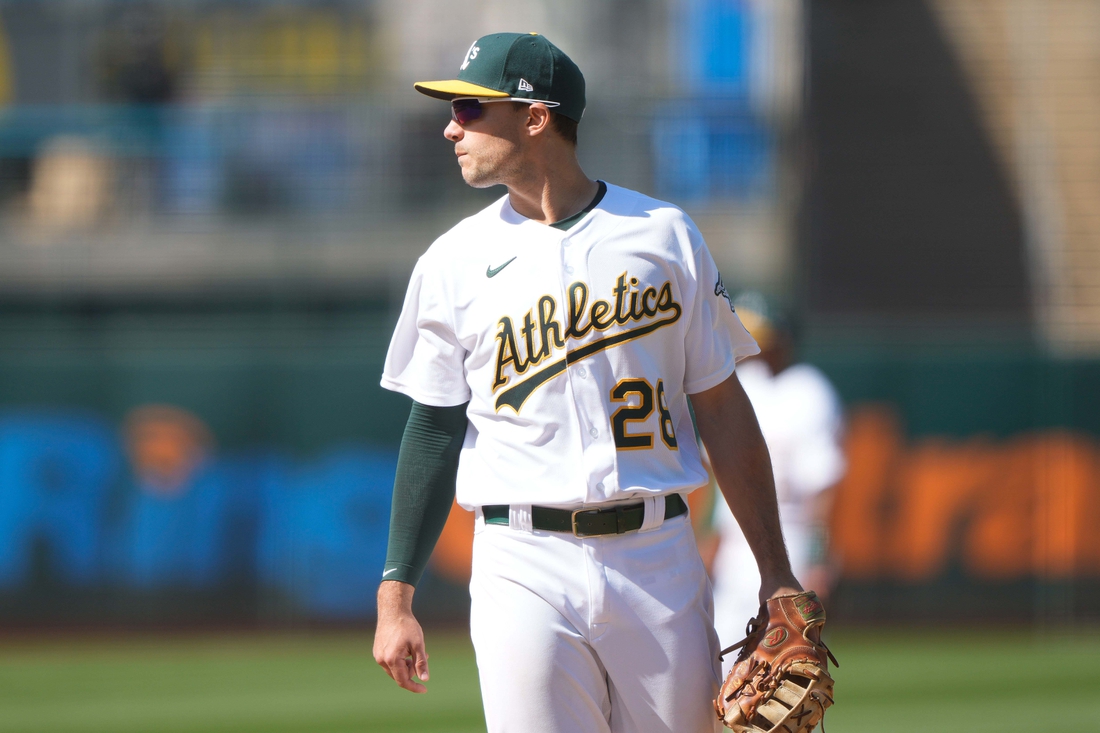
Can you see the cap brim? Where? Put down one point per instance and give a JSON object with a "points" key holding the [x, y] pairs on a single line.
{"points": [[451, 88]]}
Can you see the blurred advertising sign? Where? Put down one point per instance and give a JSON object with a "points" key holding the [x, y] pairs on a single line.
{"points": [[323, 530], [178, 517], [166, 445], [56, 472], [1026, 507]]}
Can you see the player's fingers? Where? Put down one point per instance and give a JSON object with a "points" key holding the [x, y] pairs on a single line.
{"points": [[400, 667], [395, 668], [400, 661], [393, 664], [420, 662], [405, 676]]}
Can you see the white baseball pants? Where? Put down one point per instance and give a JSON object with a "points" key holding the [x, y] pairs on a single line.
{"points": [[609, 634]]}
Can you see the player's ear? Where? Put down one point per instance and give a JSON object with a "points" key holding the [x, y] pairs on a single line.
{"points": [[538, 119]]}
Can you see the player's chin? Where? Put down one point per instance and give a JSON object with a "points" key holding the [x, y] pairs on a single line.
{"points": [[475, 178]]}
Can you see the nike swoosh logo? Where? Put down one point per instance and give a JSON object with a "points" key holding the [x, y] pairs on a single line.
{"points": [[490, 271], [391, 570]]}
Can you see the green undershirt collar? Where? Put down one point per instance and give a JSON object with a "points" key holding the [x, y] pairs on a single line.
{"points": [[568, 222]]}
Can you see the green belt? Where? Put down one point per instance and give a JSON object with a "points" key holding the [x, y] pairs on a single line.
{"points": [[588, 522]]}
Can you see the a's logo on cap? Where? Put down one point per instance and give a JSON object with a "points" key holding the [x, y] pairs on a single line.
{"points": [[525, 86], [470, 56]]}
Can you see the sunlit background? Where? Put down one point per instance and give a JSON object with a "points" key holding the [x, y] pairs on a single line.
{"points": [[209, 211]]}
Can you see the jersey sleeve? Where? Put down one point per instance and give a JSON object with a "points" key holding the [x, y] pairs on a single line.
{"points": [[716, 340], [425, 360]]}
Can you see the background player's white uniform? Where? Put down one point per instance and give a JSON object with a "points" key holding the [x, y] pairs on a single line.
{"points": [[801, 418], [576, 351]]}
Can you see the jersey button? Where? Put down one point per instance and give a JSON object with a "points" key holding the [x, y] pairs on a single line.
{"points": [[593, 432], [569, 269], [582, 373], [599, 486]]}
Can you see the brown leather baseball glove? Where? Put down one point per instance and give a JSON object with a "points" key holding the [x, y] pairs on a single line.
{"points": [[780, 681]]}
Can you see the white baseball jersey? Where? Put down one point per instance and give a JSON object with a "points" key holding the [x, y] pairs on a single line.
{"points": [[576, 350]]}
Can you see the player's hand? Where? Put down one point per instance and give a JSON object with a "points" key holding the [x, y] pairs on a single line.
{"points": [[398, 639]]}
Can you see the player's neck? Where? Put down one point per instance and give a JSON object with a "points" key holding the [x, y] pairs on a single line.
{"points": [[553, 193]]}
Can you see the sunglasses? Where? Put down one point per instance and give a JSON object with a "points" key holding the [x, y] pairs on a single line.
{"points": [[465, 110]]}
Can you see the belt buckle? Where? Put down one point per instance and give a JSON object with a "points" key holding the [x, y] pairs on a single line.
{"points": [[573, 523]]}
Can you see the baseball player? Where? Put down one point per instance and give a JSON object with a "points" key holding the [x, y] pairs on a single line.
{"points": [[550, 344], [801, 419]]}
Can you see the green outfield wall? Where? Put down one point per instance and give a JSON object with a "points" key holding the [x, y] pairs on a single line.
{"points": [[984, 504], [303, 374]]}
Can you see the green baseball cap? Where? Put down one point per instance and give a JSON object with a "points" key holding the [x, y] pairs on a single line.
{"points": [[519, 65]]}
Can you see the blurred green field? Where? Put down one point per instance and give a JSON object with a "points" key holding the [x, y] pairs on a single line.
{"points": [[328, 683]]}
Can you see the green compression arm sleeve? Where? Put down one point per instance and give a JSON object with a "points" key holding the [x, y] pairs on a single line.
{"points": [[424, 488]]}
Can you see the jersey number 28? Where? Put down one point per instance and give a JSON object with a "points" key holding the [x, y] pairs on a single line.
{"points": [[647, 398]]}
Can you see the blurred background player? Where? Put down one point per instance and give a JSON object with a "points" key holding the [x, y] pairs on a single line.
{"points": [[801, 417]]}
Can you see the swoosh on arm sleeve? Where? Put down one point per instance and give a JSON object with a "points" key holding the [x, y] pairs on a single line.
{"points": [[423, 489], [716, 340]]}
